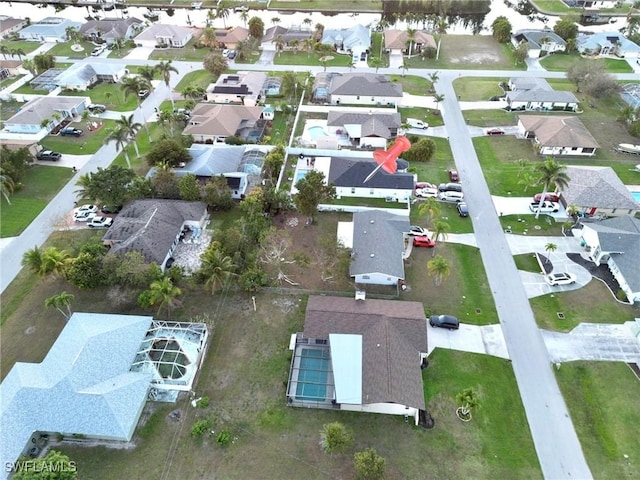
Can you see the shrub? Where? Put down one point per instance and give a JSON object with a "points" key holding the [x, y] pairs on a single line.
{"points": [[224, 438], [201, 427], [369, 465], [335, 438], [203, 402]]}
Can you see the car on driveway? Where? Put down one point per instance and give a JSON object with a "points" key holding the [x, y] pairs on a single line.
{"points": [[83, 216], [96, 108], [48, 155], [426, 192], [420, 185], [547, 207], [495, 131], [554, 279], [100, 222], [444, 321], [143, 93], [86, 208], [453, 176], [449, 187], [231, 55], [417, 231], [71, 131], [549, 197], [463, 210], [450, 196], [423, 242]]}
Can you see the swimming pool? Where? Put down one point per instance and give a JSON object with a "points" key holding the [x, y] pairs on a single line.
{"points": [[300, 174], [316, 131], [313, 374], [636, 196]]}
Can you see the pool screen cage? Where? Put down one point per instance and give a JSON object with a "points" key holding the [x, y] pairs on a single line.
{"points": [[311, 381], [631, 94]]}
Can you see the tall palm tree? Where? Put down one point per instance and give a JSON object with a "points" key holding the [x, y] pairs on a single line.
{"points": [[439, 269], [434, 77], [411, 36], [431, 208], [4, 50], [132, 128], [148, 73], [404, 66], [216, 267], [59, 302], [552, 175], [132, 86], [275, 21], [438, 97], [164, 294], [307, 22], [440, 231], [244, 16], [6, 186], [550, 248], [223, 12], [165, 69], [308, 44], [120, 136], [17, 52]]}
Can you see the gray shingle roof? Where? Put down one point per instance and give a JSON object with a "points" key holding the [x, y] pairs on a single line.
{"points": [[372, 124], [542, 95], [43, 107], [598, 187], [83, 385], [378, 243], [393, 333], [109, 27], [364, 84], [621, 237], [351, 172], [528, 83], [534, 37], [150, 226]]}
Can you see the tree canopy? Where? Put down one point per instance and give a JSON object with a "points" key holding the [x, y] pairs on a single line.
{"points": [[167, 151], [501, 28], [566, 28], [420, 151], [108, 186], [256, 27], [311, 191], [14, 163], [215, 63]]}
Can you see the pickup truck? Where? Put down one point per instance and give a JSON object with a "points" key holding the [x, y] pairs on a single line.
{"points": [[48, 155], [547, 207], [75, 132]]}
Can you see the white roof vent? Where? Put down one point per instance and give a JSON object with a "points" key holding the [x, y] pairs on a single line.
{"points": [[372, 255]]}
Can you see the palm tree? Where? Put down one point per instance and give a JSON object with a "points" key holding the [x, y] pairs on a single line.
{"points": [[216, 267], [32, 259], [132, 128], [376, 63], [244, 16], [434, 77], [438, 97], [308, 44], [468, 400], [86, 190], [210, 17], [552, 174], [60, 301], [194, 92], [164, 293], [549, 248], [107, 96], [411, 36], [275, 21], [6, 186], [307, 22], [147, 72], [404, 66], [439, 269], [279, 41], [17, 52], [54, 260], [4, 50], [121, 137], [223, 13], [132, 86], [431, 208], [165, 69], [440, 230]]}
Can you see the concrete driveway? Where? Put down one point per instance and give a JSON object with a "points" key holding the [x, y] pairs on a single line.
{"points": [[140, 53]]}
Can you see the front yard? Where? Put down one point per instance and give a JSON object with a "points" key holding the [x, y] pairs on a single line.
{"points": [[88, 143]]}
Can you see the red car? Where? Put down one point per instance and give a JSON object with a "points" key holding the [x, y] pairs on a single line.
{"points": [[549, 197], [423, 242], [495, 131], [453, 176]]}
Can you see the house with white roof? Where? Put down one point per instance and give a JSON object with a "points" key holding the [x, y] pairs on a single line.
{"points": [[364, 129], [536, 94], [360, 355], [54, 109], [607, 43], [50, 29], [109, 30], [161, 35], [354, 40], [245, 88], [81, 76]]}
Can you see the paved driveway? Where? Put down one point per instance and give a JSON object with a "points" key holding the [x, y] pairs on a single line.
{"points": [[139, 53]]}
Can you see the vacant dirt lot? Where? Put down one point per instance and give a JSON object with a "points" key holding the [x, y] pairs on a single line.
{"points": [[469, 51]]}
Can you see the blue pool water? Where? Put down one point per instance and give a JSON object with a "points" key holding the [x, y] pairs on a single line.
{"points": [[300, 174], [636, 196], [312, 376], [316, 131]]}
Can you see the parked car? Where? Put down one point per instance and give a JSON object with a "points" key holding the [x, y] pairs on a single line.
{"points": [[232, 55], [559, 279], [415, 123], [453, 176], [98, 50], [83, 216], [423, 242], [463, 210], [550, 197], [449, 187], [417, 231], [86, 208], [444, 321], [426, 192], [450, 196], [100, 222], [225, 52], [143, 93], [495, 131], [96, 108], [75, 132], [420, 185], [547, 207], [48, 155], [107, 209]]}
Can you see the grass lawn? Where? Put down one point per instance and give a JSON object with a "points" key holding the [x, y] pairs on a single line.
{"points": [[187, 53], [528, 225], [490, 118], [40, 185], [9, 109], [328, 5], [88, 143], [421, 113], [24, 45], [110, 95], [556, 7], [597, 395], [471, 52], [29, 90], [413, 84], [560, 62], [64, 49], [436, 169], [8, 81], [201, 78], [527, 262], [311, 58], [477, 89], [448, 213], [145, 142]]}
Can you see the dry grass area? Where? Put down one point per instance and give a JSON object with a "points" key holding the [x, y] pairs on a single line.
{"points": [[473, 51]]}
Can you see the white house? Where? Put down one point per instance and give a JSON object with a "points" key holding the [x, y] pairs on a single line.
{"points": [[50, 29], [29, 120], [363, 89], [245, 88], [164, 36], [536, 94], [607, 44], [354, 40], [540, 42], [109, 30], [81, 76], [557, 136]]}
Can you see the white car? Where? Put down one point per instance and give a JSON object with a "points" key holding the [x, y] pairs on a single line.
{"points": [[554, 279], [100, 222], [417, 231], [98, 50], [451, 196], [83, 216], [86, 208], [427, 192], [547, 207]]}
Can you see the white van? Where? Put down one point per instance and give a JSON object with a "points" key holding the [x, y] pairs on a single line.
{"points": [[451, 196], [415, 123]]}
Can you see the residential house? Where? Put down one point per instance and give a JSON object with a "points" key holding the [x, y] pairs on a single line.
{"points": [[592, 4], [372, 129], [230, 37], [397, 41], [559, 135], [29, 119], [161, 35], [9, 68], [540, 42], [377, 247], [286, 35], [246, 88], [95, 380], [9, 25], [607, 43], [598, 191], [214, 123], [360, 355], [50, 29], [354, 40], [239, 164], [154, 227], [13, 145], [363, 89], [536, 94], [109, 30], [82, 76], [616, 243]]}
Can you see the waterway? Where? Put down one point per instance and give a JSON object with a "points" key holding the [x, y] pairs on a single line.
{"points": [[198, 17]]}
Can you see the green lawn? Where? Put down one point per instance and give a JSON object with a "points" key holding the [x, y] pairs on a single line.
{"points": [[27, 89], [187, 53], [10, 80], [64, 49], [201, 78], [597, 395], [24, 45], [40, 185], [528, 225], [88, 143], [413, 84], [311, 58], [421, 113], [527, 262], [560, 62], [110, 95], [489, 118], [554, 7], [328, 5], [436, 169], [477, 89]]}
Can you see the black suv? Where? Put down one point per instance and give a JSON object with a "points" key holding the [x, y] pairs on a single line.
{"points": [[449, 187], [48, 155], [96, 108], [76, 132]]}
